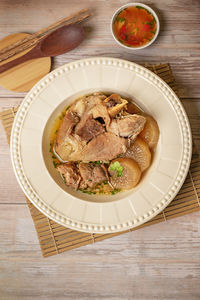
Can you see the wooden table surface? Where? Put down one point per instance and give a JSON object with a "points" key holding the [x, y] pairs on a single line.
{"points": [[158, 262]]}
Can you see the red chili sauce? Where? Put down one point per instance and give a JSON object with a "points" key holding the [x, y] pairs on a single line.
{"points": [[134, 26]]}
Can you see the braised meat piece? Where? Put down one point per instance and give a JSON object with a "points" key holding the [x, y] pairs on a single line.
{"points": [[88, 128], [115, 104], [112, 100], [70, 174], [68, 123], [130, 125], [62, 146], [83, 122], [105, 146], [92, 174], [108, 129]]}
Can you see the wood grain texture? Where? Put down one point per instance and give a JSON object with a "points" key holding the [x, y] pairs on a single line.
{"points": [[139, 265], [22, 77], [158, 262], [32, 39]]}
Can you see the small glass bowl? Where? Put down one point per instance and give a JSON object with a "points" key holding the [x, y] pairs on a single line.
{"points": [[147, 8]]}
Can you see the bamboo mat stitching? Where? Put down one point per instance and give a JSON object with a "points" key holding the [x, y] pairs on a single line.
{"points": [[194, 187], [52, 235]]}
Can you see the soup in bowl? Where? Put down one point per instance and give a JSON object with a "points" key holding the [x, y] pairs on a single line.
{"points": [[101, 144], [135, 26]]}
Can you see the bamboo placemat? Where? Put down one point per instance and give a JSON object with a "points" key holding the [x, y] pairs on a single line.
{"points": [[55, 238]]}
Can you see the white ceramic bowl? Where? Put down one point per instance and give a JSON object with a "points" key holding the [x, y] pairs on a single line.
{"points": [[135, 4], [42, 184]]}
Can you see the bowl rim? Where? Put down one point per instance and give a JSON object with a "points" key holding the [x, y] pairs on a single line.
{"points": [[67, 221], [135, 4]]}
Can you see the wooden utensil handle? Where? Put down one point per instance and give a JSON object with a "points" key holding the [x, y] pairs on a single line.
{"points": [[33, 39], [30, 55]]}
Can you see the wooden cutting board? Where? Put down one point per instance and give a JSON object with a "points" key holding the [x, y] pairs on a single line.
{"points": [[22, 78]]}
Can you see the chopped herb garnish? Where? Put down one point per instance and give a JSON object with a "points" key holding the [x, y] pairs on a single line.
{"points": [[120, 19], [139, 7], [51, 149], [98, 162], [154, 18], [98, 190], [149, 23], [117, 168], [87, 192], [147, 11], [55, 164], [115, 191]]}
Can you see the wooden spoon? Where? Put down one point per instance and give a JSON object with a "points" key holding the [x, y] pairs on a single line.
{"points": [[60, 41]]}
